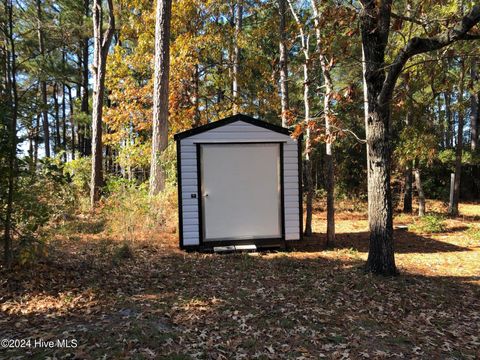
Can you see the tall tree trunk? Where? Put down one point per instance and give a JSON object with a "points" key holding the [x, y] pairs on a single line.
{"points": [[12, 98], [102, 43], [308, 141], [64, 113], [474, 113], [160, 94], [43, 83], [421, 195], [329, 160], [453, 206], [84, 136], [308, 149], [374, 31], [282, 8], [236, 55]]}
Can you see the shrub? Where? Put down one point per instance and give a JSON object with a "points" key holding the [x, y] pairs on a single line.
{"points": [[80, 171], [42, 200], [430, 224]]}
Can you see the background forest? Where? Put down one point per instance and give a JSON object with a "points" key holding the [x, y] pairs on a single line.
{"points": [[295, 63]]}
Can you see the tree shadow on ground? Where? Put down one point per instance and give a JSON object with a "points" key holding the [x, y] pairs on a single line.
{"points": [[405, 242]]}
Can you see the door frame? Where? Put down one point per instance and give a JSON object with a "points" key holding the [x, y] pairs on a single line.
{"points": [[259, 241]]}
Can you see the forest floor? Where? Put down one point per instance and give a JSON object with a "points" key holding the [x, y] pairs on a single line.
{"points": [[157, 302]]}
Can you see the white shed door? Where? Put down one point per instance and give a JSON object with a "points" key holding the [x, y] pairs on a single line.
{"points": [[240, 191]]}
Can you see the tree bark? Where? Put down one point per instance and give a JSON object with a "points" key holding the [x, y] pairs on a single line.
{"points": [[374, 30], [236, 55], [282, 9], [102, 43], [421, 195], [160, 94], [43, 83], [453, 206]]}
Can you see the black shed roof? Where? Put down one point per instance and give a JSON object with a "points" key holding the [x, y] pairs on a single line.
{"points": [[229, 120]]}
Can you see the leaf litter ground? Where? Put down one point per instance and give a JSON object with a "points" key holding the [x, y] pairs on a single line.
{"points": [[158, 302]]}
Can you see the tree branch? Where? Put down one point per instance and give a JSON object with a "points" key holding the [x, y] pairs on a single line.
{"points": [[419, 45], [407, 18], [108, 35]]}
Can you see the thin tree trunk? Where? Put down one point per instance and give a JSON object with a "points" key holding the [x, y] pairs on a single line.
{"points": [[84, 141], [43, 83], [474, 113], [64, 125], [329, 161], [72, 121], [160, 94], [102, 43], [308, 150], [407, 195], [306, 103], [282, 8], [12, 97], [196, 96], [58, 145], [421, 195], [449, 120], [30, 135], [37, 140], [453, 206], [236, 55]]}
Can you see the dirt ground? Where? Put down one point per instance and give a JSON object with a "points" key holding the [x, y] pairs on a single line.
{"points": [[152, 301]]}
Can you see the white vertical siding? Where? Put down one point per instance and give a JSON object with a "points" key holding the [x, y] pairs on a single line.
{"points": [[238, 131]]}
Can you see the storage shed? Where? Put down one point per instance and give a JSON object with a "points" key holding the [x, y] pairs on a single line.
{"points": [[239, 185]]}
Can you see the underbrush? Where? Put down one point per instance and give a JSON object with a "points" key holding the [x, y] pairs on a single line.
{"points": [[43, 201], [130, 213], [429, 224], [474, 232]]}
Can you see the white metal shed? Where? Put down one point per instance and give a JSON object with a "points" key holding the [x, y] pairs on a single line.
{"points": [[239, 183]]}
